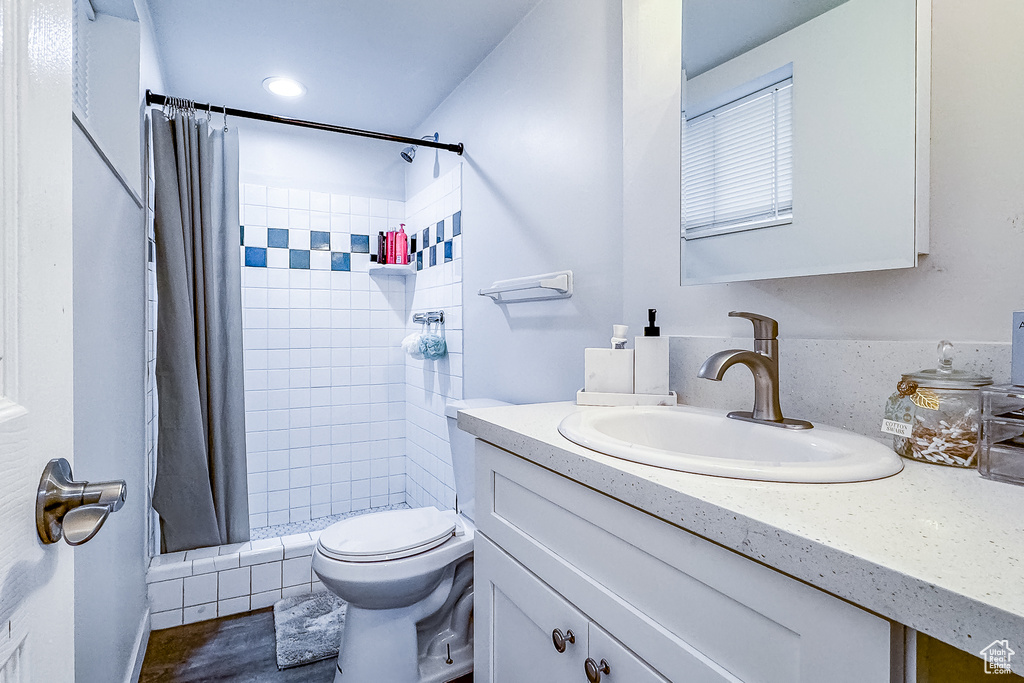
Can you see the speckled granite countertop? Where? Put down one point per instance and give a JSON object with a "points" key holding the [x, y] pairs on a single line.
{"points": [[937, 549]]}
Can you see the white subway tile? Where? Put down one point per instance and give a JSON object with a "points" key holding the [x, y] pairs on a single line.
{"points": [[298, 571], [260, 556], [233, 606], [166, 595], [265, 599], [204, 566], [301, 589], [168, 619], [224, 562], [192, 614], [200, 589], [266, 577], [277, 196], [166, 572], [233, 583]]}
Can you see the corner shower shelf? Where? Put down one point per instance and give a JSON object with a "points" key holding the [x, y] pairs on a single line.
{"points": [[392, 269]]}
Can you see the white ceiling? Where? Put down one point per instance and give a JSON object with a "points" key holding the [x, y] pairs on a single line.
{"points": [[382, 65], [715, 31]]}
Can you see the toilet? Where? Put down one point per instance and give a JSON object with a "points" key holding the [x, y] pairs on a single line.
{"points": [[408, 578]]}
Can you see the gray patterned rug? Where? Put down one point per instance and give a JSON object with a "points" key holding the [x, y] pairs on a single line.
{"points": [[308, 628]]}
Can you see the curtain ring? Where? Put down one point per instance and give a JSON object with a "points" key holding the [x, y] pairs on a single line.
{"points": [[225, 110], [209, 114]]}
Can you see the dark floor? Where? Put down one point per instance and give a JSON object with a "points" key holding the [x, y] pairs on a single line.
{"points": [[238, 649]]}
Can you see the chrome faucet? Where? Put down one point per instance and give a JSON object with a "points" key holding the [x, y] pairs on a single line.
{"points": [[763, 361]]}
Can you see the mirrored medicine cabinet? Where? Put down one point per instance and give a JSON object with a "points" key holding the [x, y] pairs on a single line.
{"points": [[804, 137]]}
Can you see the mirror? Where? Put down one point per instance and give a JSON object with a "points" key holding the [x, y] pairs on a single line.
{"points": [[804, 137]]}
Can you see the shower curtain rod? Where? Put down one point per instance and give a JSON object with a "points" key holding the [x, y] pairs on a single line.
{"points": [[155, 99]]}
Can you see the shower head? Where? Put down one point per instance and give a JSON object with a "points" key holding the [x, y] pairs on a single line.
{"points": [[409, 153]]}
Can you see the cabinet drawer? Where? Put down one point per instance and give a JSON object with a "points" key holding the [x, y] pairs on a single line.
{"points": [[680, 602]]}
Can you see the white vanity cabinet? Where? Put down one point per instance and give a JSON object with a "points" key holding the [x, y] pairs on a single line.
{"points": [[654, 601]]}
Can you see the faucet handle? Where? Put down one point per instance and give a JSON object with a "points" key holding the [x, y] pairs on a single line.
{"points": [[765, 328]]}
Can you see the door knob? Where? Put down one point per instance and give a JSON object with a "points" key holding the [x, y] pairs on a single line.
{"points": [[73, 509], [560, 639], [594, 670]]}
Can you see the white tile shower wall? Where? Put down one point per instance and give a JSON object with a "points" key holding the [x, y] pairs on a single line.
{"points": [[429, 384], [324, 374]]}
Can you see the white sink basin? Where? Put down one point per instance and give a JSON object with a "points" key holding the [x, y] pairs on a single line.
{"points": [[707, 442]]}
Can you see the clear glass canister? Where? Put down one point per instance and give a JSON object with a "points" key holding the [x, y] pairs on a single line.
{"points": [[935, 414]]}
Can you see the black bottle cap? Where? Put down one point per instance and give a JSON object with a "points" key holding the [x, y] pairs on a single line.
{"points": [[652, 330]]}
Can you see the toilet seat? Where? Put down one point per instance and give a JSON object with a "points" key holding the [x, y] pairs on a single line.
{"points": [[390, 535]]}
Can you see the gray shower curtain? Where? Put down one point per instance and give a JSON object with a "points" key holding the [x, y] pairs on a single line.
{"points": [[201, 488]]}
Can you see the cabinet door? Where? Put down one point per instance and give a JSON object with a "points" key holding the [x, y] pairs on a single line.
{"points": [[623, 665], [517, 614]]}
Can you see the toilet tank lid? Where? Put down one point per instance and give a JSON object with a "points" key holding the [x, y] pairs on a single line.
{"points": [[452, 408]]}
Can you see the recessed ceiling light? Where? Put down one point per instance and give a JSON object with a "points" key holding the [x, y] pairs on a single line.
{"points": [[285, 87]]}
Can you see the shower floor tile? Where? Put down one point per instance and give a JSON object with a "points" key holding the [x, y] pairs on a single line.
{"points": [[317, 524]]}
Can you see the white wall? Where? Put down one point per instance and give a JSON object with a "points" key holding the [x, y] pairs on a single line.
{"points": [[964, 291], [541, 121], [286, 156], [110, 440], [111, 49]]}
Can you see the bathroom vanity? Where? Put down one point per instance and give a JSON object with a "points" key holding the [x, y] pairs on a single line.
{"points": [[594, 568]]}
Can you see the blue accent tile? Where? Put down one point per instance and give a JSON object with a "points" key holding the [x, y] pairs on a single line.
{"points": [[419, 260], [457, 224], [447, 251], [320, 241], [433, 254], [340, 260], [256, 257], [426, 238], [360, 244], [241, 235], [298, 258], [277, 237], [440, 232]]}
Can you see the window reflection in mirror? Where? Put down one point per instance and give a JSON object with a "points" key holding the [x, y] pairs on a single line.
{"points": [[801, 137]]}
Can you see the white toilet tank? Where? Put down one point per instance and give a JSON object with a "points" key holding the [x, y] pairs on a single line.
{"points": [[462, 452]]}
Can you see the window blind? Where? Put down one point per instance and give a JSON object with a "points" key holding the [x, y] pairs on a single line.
{"points": [[738, 164]]}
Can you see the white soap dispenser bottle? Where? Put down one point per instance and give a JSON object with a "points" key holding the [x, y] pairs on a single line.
{"points": [[650, 374]]}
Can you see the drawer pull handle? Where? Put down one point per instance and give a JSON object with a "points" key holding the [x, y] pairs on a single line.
{"points": [[560, 639], [594, 670]]}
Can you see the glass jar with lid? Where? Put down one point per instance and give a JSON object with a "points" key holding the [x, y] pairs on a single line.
{"points": [[935, 414]]}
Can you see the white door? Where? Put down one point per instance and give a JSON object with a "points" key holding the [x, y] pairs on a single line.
{"points": [[36, 589]]}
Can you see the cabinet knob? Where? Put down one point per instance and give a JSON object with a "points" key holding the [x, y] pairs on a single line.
{"points": [[560, 639], [594, 670]]}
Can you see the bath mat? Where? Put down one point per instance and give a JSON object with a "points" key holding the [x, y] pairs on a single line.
{"points": [[308, 628]]}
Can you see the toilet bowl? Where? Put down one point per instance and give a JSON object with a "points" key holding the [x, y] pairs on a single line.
{"points": [[407, 577]]}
